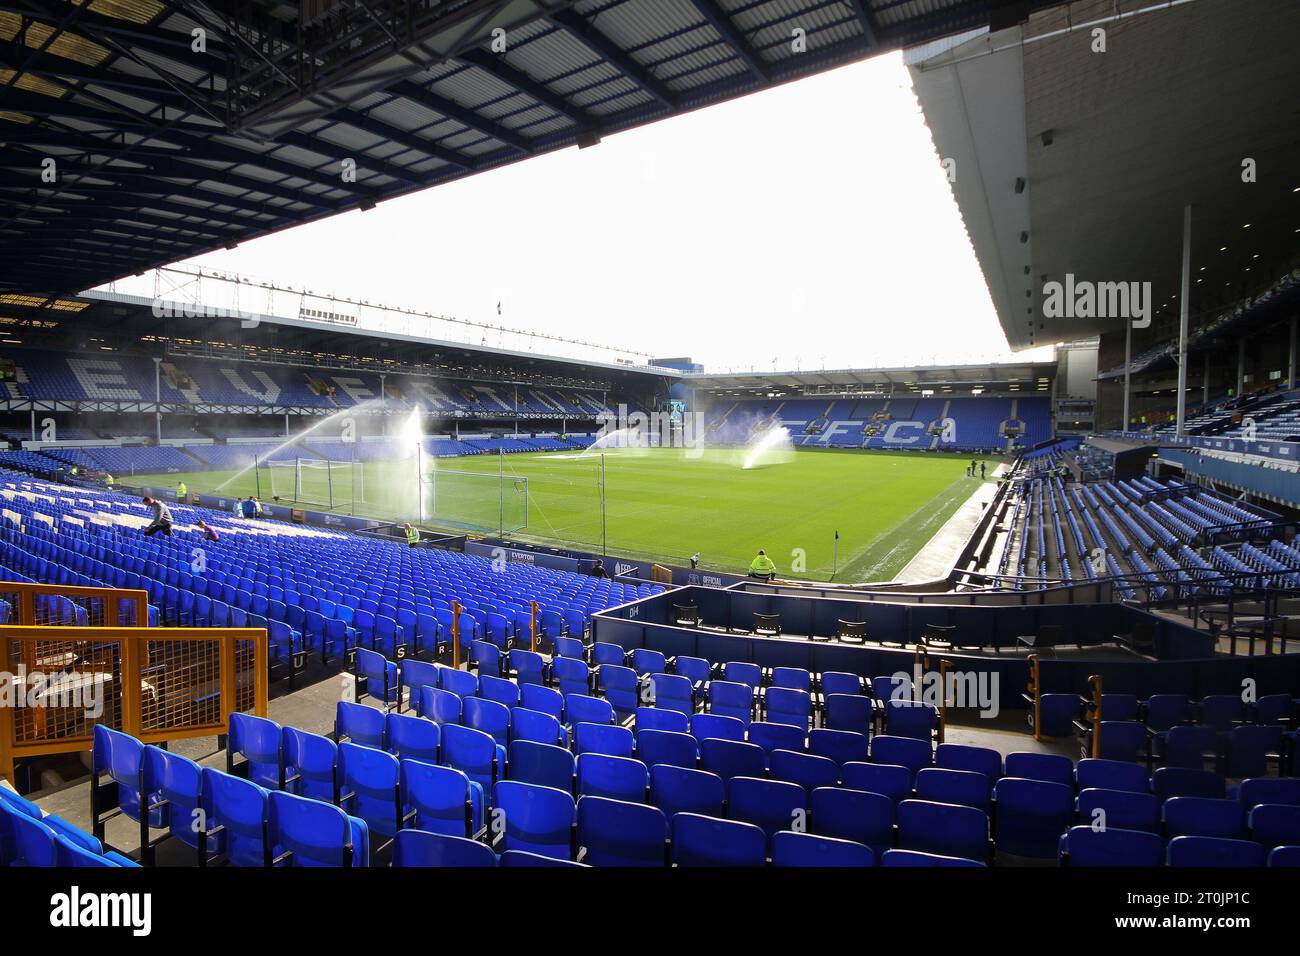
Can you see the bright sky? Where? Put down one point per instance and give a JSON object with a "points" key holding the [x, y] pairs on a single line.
{"points": [[811, 225]]}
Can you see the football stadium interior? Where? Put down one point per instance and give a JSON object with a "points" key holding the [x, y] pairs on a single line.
{"points": [[289, 579]]}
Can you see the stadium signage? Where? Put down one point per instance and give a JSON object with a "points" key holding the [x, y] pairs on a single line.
{"points": [[1082, 299]]}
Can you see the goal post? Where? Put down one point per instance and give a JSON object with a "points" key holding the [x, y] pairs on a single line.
{"points": [[468, 501], [309, 481]]}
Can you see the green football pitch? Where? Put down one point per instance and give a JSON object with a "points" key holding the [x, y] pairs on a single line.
{"points": [[659, 504]]}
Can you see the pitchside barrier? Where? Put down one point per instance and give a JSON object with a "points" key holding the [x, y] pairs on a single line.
{"points": [[68, 663], [1191, 670]]}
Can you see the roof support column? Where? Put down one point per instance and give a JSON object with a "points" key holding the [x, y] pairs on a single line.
{"points": [[1290, 377], [1241, 368], [1205, 382], [1128, 357], [1184, 309], [157, 396]]}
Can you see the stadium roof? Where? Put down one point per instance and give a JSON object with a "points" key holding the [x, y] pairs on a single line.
{"points": [[1080, 162], [113, 321], [165, 143], [1025, 375]]}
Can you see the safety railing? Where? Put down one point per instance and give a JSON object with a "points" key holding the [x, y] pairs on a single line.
{"points": [[67, 664], [45, 605]]}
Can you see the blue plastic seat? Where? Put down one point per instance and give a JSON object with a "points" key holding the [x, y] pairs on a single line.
{"points": [[1111, 847], [486, 658], [439, 799], [866, 818], [581, 709], [805, 849], [488, 716], [529, 666], [537, 819], [306, 832], [1056, 714], [983, 760], [175, 786], [708, 841], [840, 682], [902, 751], [647, 661], [1169, 782], [1275, 824], [419, 848], [413, 737], [257, 740], [234, 814], [368, 788], [1257, 790], [359, 724], [743, 672], [1220, 711], [1123, 740], [121, 757], [27, 841], [1164, 711], [807, 770], [664, 746], [542, 763], [910, 719], [1032, 815], [441, 706], [732, 699], [891, 780], [474, 753], [1053, 768], [570, 647], [652, 718], [415, 675], [849, 712], [679, 790], [603, 739], [965, 787], [513, 858], [705, 726], [1188, 745], [915, 858], [1252, 749], [535, 725], [1203, 816], [673, 692], [498, 690], [1216, 852], [459, 682], [620, 833], [731, 758], [695, 669], [769, 804], [1287, 856], [1118, 808], [378, 676], [943, 828], [621, 687], [1119, 706], [795, 678], [617, 778], [546, 699], [786, 706], [310, 762], [1111, 775], [605, 653]]}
